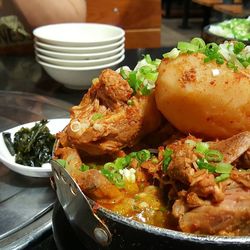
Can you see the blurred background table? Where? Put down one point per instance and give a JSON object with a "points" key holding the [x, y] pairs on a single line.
{"points": [[233, 10], [23, 73]]}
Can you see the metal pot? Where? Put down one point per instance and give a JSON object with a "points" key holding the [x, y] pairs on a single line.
{"points": [[99, 228]]}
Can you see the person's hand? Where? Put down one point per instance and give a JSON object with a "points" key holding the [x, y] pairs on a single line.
{"points": [[42, 12]]}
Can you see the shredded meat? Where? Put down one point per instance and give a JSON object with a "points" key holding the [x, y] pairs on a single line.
{"points": [[200, 204], [97, 187], [233, 147], [229, 217], [103, 122], [181, 167], [242, 177]]}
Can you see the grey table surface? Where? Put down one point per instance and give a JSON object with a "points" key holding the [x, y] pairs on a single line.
{"points": [[25, 202]]}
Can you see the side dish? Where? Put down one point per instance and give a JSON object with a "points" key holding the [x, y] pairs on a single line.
{"points": [[31, 146], [235, 28], [168, 143]]}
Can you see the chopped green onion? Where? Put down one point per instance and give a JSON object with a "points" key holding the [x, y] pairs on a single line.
{"points": [[142, 79], [143, 155], [96, 116], [107, 173], [201, 147], [212, 53], [238, 47], [84, 167], [123, 73], [148, 59], [235, 54], [199, 43], [185, 47], [118, 180], [223, 168], [132, 155], [203, 164], [113, 177], [145, 69], [219, 60], [61, 162], [111, 173], [121, 162], [130, 102], [222, 177], [211, 49], [174, 53], [156, 62], [213, 155], [167, 158], [109, 166], [145, 91], [232, 65], [154, 160], [133, 81], [112, 169]]}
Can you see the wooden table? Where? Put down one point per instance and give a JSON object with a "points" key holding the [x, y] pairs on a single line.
{"points": [[141, 19], [211, 3], [235, 10], [207, 6], [208, 3]]}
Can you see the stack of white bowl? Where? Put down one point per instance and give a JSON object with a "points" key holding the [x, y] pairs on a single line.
{"points": [[75, 53]]}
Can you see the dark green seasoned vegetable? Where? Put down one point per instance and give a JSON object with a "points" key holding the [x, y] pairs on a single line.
{"points": [[33, 146], [8, 142]]}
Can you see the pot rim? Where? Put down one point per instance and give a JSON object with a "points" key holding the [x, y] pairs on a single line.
{"points": [[199, 238]]}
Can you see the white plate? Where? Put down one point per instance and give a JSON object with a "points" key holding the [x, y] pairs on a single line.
{"points": [[92, 49], [80, 63], [76, 77], [79, 34], [54, 125], [78, 56]]}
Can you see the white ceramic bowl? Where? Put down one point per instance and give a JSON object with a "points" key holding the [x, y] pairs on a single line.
{"points": [[77, 77], [54, 125], [92, 49], [78, 56], [79, 34], [80, 63]]}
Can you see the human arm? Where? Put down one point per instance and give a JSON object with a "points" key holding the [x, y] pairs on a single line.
{"points": [[37, 13]]}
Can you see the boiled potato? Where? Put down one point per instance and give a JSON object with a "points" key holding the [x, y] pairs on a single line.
{"points": [[204, 99]]}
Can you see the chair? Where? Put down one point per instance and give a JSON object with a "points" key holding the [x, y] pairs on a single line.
{"points": [[141, 19]]}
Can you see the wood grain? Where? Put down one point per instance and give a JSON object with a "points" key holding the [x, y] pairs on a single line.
{"points": [[128, 14], [141, 19], [210, 3], [235, 10], [143, 38]]}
